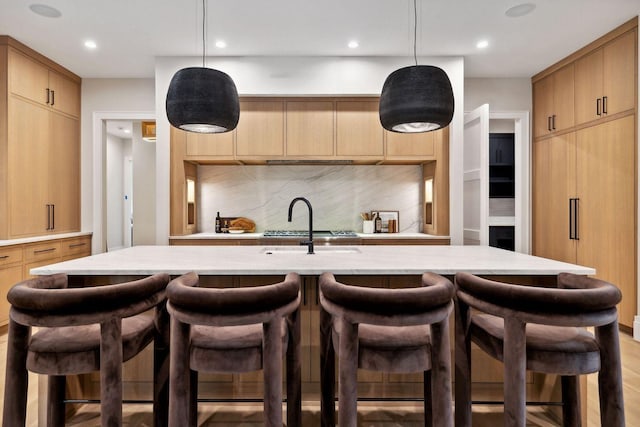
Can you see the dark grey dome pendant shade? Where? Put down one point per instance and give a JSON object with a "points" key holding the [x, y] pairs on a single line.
{"points": [[418, 98], [203, 100]]}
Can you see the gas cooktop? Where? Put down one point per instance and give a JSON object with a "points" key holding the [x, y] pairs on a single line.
{"points": [[303, 233]]}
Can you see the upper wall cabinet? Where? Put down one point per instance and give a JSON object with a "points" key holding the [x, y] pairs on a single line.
{"points": [[260, 130], [209, 146], [33, 80], [604, 79], [358, 130], [310, 126], [553, 102]]}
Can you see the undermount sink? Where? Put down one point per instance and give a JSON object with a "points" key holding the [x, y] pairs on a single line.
{"points": [[303, 250]]}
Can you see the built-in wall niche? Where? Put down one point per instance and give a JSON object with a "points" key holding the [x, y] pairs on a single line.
{"points": [[191, 174], [435, 199]]}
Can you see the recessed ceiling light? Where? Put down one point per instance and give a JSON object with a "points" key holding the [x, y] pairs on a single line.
{"points": [[90, 44], [44, 10], [520, 10], [482, 44], [127, 131], [221, 44], [353, 44]]}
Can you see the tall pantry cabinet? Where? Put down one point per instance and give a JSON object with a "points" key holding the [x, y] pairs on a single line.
{"points": [[39, 144], [584, 176]]}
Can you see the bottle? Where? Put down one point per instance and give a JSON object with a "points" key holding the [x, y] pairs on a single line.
{"points": [[218, 225], [378, 224]]}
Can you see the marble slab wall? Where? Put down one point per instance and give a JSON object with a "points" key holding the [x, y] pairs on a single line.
{"points": [[337, 193]]}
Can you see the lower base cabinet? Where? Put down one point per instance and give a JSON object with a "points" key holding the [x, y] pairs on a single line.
{"points": [[17, 260]]}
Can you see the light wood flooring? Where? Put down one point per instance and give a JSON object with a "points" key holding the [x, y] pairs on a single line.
{"points": [[369, 414]]}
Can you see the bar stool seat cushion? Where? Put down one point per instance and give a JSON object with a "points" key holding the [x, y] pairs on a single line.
{"points": [[211, 347], [548, 347], [76, 349]]}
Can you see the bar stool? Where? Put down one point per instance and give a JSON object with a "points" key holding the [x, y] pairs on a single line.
{"points": [[391, 330], [235, 330], [82, 330], [541, 329]]}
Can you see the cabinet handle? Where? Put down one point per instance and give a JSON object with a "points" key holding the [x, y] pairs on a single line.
{"points": [[549, 123], [4, 256], [570, 219], [48, 95], [53, 97], [77, 245], [53, 215], [576, 211], [553, 122], [41, 251], [304, 293], [598, 107], [604, 105], [48, 217]]}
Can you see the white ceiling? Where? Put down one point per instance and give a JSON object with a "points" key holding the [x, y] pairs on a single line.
{"points": [[120, 128], [130, 33]]}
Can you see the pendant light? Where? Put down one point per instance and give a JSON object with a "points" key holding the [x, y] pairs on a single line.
{"points": [[202, 99], [418, 98]]}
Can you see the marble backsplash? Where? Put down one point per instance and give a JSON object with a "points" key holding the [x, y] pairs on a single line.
{"points": [[337, 193]]}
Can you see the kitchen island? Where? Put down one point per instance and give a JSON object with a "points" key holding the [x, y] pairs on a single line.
{"points": [[379, 266]]}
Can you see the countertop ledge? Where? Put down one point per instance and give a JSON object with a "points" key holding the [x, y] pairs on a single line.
{"points": [[205, 236], [276, 260], [37, 239]]}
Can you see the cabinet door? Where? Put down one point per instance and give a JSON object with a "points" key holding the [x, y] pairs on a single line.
{"points": [[64, 173], [589, 87], [210, 144], [359, 132], [28, 168], [408, 145], [553, 185], [543, 106], [9, 276], [619, 70], [28, 78], [310, 128], [606, 213], [260, 129], [563, 99], [65, 94]]}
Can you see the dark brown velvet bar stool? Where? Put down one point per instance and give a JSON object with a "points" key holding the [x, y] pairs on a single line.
{"points": [[541, 329], [391, 330], [235, 330], [82, 330]]}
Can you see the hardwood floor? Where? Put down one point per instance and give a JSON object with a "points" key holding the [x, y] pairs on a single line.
{"points": [[369, 414]]}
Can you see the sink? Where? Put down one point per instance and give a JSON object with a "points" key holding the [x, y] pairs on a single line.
{"points": [[303, 250]]}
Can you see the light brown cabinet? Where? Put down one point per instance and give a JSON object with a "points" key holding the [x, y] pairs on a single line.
{"points": [[605, 79], [358, 129], [584, 179], [410, 145], [203, 146], [310, 129], [260, 129], [553, 102], [39, 145], [17, 260], [35, 81]]}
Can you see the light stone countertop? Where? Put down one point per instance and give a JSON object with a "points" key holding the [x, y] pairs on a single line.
{"points": [[353, 260], [207, 236], [43, 238]]}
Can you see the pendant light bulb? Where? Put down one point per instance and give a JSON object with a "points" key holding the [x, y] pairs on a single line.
{"points": [[202, 99]]}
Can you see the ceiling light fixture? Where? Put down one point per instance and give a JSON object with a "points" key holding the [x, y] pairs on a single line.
{"points": [[353, 44], [482, 44], [44, 10], [520, 10], [90, 44], [418, 98], [221, 44], [202, 99]]}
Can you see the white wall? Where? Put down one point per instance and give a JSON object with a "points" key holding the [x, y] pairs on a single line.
{"points": [[501, 94], [262, 76], [99, 96], [115, 191], [144, 189]]}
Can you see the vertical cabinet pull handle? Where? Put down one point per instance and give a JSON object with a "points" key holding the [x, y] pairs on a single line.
{"points": [[598, 107], [570, 219], [549, 123], [553, 122], [48, 217], [53, 216], [604, 105], [576, 211], [304, 292], [53, 97], [573, 219], [48, 95]]}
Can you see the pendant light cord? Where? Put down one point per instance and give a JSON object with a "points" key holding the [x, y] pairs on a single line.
{"points": [[415, 30], [204, 32]]}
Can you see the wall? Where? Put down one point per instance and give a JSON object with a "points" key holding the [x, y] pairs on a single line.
{"points": [[338, 195], [144, 188], [328, 76], [501, 94], [102, 97], [115, 190]]}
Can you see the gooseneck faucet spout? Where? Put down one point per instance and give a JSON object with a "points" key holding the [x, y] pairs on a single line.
{"points": [[308, 243]]}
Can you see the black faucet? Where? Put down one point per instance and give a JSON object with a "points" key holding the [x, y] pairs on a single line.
{"points": [[308, 243]]}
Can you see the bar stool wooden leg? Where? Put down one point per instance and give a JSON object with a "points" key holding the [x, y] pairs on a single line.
{"points": [[161, 369], [55, 400], [17, 379], [462, 365], [327, 372], [348, 370], [111, 373], [515, 370], [180, 377], [294, 374], [571, 416], [610, 376], [272, 371], [441, 374], [428, 400]]}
